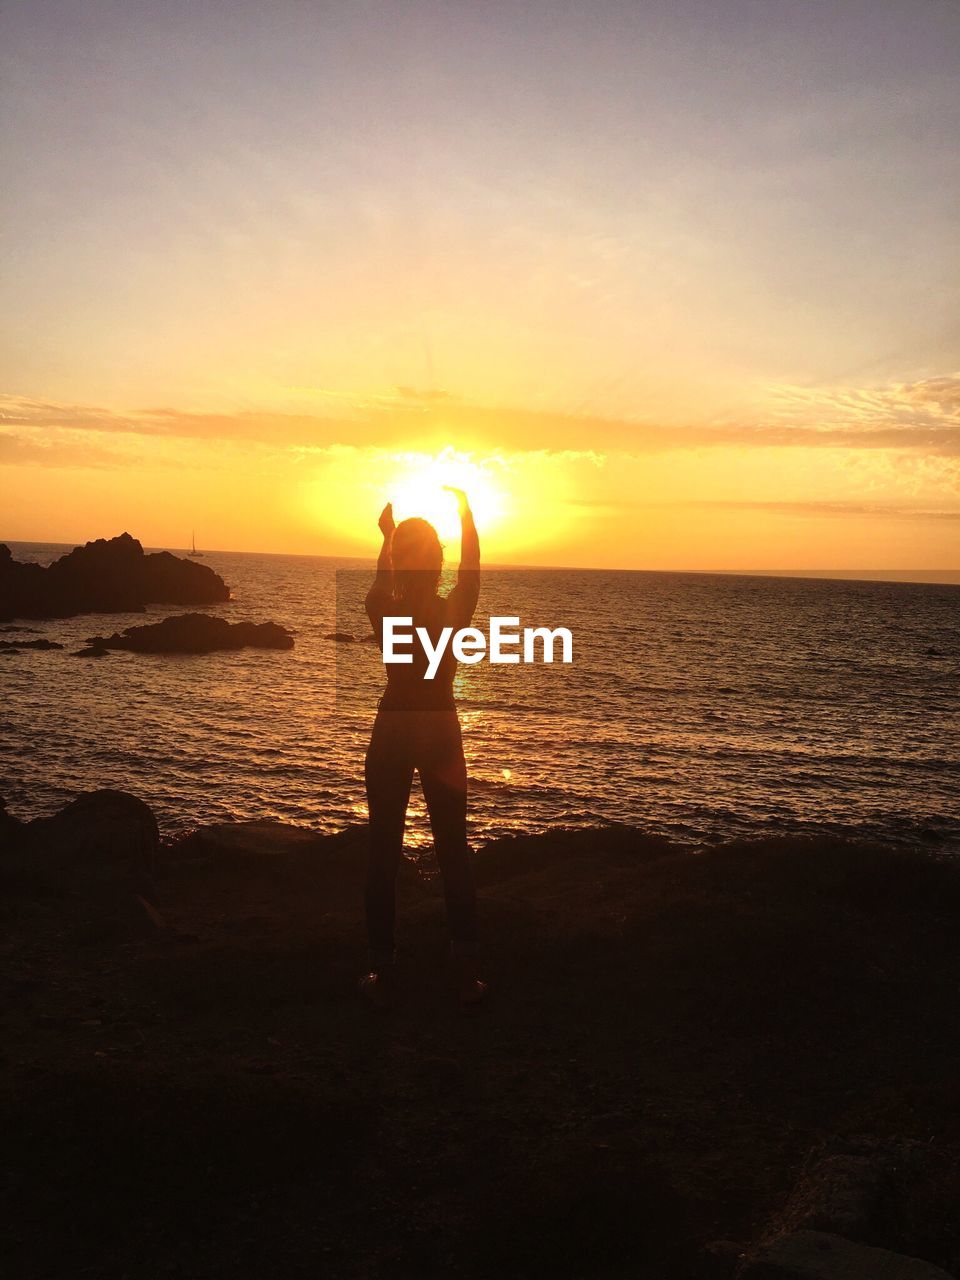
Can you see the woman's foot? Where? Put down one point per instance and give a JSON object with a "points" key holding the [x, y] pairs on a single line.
{"points": [[472, 992], [379, 989], [470, 988]]}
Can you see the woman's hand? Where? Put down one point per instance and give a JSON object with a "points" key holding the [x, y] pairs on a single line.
{"points": [[386, 522], [463, 506]]}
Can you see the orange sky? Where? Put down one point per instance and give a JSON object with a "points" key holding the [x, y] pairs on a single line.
{"points": [[548, 489], [667, 286]]}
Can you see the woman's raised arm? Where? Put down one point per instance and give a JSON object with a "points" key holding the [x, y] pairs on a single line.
{"points": [[469, 539], [383, 582]]}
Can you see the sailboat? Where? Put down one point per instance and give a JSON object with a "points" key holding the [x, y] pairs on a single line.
{"points": [[193, 546]]}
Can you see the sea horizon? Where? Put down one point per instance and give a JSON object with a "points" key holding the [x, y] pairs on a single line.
{"points": [[932, 577]]}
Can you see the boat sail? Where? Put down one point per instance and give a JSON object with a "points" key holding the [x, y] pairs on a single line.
{"points": [[193, 546]]}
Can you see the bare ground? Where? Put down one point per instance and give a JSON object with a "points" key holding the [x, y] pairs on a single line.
{"points": [[668, 1037]]}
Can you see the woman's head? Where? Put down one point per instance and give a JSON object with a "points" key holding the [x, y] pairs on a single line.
{"points": [[417, 558]]}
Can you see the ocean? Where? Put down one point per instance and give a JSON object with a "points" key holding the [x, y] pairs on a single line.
{"points": [[698, 706]]}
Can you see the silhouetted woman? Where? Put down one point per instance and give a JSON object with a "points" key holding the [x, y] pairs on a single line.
{"points": [[417, 729]]}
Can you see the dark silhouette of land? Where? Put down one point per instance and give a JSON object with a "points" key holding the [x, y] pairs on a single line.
{"points": [[111, 575], [192, 633], [682, 1057]]}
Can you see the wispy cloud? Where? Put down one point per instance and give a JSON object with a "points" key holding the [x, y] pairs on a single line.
{"points": [[20, 411], [913, 415], [923, 417], [15, 450], [812, 508], [884, 511]]}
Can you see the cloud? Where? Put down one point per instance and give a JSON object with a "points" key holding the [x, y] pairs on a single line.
{"points": [[16, 450], [910, 415], [20, 411], [429, 396], [818, 509], [922, 416], [944, 392], [811, 508]]}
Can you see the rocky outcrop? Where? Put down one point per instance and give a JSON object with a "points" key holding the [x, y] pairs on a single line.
{"points": [[17, 645], [107, 576], [193, 633], [92, 651], [347, 637], [238, 842], [10, 827], [169, 579], [98, 829], [842, 1206], [846, 1191], [102, 846], [818, 1255]]}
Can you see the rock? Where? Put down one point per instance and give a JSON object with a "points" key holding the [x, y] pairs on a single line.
{"points": [[819, 1255], [142, 917], [101, 849], [100, 829], [341, 637], [17, 645], [720, 1259], [246, 841], [196, 633], [841, 1192], [93, 651], [332, 868], [168, 579], [10, 827], [107, 576]]}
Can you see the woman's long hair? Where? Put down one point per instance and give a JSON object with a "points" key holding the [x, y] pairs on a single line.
{"points": [[417, 554]]}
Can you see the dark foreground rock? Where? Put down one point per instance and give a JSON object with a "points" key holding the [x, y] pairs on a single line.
{"points": [[192, 633], [668, 1039], [817, 1255], [101, 833], [10, 827], [100, 851], [107, 576]]}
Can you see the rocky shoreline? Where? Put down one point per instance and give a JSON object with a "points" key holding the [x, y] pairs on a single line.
{"points": [[191, 633], [738, 1063], [110, 575], [115, 575]]}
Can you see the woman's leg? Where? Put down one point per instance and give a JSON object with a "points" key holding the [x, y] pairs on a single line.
{"points": [[389, 773], [443, 776]]}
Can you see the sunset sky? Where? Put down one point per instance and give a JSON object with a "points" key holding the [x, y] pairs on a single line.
{"points": [[669, 284]]}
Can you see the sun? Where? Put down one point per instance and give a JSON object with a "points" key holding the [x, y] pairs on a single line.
{"points": [[521, 500], [419, 490]]}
